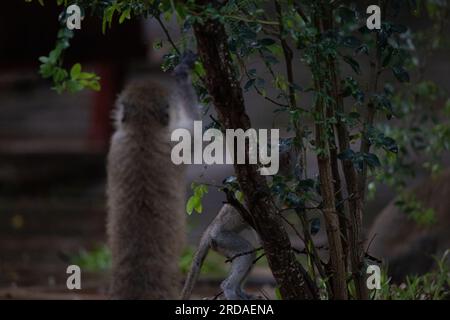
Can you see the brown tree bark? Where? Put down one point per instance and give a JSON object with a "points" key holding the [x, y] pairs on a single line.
{"points": [[337, 263], [355, 233], [227, 96]]}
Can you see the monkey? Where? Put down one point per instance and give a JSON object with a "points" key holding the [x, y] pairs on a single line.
{"points": [[407, 247], [145, 190], [223, 235]]}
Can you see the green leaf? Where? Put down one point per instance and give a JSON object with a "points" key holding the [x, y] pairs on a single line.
{"points": [[249, 84], [198, 206], [87, 76], [190, 205], [125, 15], [75, 71], [46, 70], [401, 74], [347, 154], [372, 160], [108, 17], [181, 10], [59, 75], [41, 2], [195, 201], [447, 107], [239, 196], [93, 85], [73, 86], [390, 144], [157, 44], [200, 190], [278, 293], [43, 59]]}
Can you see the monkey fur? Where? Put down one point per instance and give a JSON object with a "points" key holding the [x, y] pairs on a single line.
{"points": [[146, 191], [223, 236]]}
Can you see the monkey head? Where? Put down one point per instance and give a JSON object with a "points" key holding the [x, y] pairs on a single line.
{"points": [[172, 103], [146, 103]]}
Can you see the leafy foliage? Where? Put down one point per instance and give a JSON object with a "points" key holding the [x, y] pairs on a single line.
{"points": [[415, 210], [72, 80], [195, 201], [96, 260], [430, 286]]}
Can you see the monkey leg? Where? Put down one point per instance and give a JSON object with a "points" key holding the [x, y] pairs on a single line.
{"points": [[230, 244]]}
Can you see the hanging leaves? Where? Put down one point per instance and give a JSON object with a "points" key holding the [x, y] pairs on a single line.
{"points": [[195, 201]]}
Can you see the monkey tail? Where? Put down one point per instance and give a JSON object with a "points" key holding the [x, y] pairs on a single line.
{"points": [[196, 266]]}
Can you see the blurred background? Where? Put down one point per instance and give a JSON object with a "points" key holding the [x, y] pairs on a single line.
{"points": [[53, 148]]}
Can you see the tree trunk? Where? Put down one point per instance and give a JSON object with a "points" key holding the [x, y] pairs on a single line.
{"points": [[337, 263]]}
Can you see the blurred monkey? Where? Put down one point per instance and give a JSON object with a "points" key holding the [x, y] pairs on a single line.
{"points": [[145, 190], [407, 247]]}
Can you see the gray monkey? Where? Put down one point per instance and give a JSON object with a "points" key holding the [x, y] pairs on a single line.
{"points": [[223, 235]]}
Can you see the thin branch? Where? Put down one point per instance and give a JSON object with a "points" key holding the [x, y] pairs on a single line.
{"points": [[310, 248], [217, 295], [172, 43], [270, 23], [243, 254], [258, 90], [300, 208], [370, 242], [294, 228], [263, 293], [167, 33], [268, 98], [216, 122], [368, 256]]}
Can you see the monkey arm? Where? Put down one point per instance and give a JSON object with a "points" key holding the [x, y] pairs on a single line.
{"points": [[187, 97]]}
